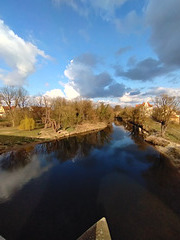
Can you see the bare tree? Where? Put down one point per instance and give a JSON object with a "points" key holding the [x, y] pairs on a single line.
{"points": [[47, 102], [165, 107], [21, 97], [13, 97], [7, 96]]}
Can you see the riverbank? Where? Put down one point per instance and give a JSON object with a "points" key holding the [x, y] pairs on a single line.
{"points": [[79, 129], [168, 146], [13, 139]]}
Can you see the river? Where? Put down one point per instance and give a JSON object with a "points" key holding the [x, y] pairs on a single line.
{"points": [[57, 190]]}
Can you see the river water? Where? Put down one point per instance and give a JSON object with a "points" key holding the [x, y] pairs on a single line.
{"points": [[58, 190]]}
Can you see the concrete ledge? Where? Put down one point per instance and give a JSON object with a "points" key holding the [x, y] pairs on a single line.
{"points": [[1, 238], [99, 231]]}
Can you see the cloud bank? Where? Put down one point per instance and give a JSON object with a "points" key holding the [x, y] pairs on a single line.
{"points": [[145, 70], [163, 22], [136, 97], [83, 79], [20, 56]]}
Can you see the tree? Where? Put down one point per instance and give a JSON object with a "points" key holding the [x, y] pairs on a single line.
{"points": [[13, 97], [8, 96], [117, 110], [139, 115], [21, 97], [47, 103], [105, 113], [126, 113], [165, 106], [27, 124]]}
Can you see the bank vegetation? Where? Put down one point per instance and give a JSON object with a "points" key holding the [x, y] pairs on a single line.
{"points": [[158, 124], [40, 117]]}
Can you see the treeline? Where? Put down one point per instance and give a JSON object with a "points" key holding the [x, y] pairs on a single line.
{"points": [[57, 113], [163, 111], [62, 113], [136, 115]]}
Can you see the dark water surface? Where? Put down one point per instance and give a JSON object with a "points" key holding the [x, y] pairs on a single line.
{"points": [[57, 190]]}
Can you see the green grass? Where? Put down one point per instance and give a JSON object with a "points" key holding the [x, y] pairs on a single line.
{"points": [[70, 129], [11, 136], [13, 140], [153, 126], [172, 132], [13, 131]]}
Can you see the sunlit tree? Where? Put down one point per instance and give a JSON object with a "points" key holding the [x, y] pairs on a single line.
{"points": [[165, 107], [13, 97]]}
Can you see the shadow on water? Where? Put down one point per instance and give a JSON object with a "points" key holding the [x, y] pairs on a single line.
{"points": [[75, 147], [15, 159], [61, 188]]}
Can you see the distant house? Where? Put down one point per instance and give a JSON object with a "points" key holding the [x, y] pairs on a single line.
{"points": [[175, 118], [6, 108], [147, 107], [2, 111]]}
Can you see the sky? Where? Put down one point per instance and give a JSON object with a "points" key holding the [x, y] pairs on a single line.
{"points": [[117, 51]]}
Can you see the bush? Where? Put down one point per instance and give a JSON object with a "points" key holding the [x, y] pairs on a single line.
{"points": [[27, 124]]}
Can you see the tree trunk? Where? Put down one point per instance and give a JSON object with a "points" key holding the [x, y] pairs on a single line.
{"points": [[13, 123], [163, 129], [12, 117]]}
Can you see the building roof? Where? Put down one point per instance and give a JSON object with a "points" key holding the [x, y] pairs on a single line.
{"points": [[6, 108], [144, 104]]}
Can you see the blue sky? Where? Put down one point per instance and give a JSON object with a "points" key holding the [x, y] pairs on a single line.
{"points": [[122, 51]]}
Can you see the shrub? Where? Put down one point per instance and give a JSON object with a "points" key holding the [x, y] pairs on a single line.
{"points": [[27, 124]]}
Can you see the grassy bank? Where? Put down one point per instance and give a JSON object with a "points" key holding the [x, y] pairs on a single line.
{"points": [[170, 144], [13, 138], [172, 132]]}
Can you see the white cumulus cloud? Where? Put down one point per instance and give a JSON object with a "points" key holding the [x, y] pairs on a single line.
{"points": [[20, 56], [70, 92], [54, 93], [128, 99]]}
